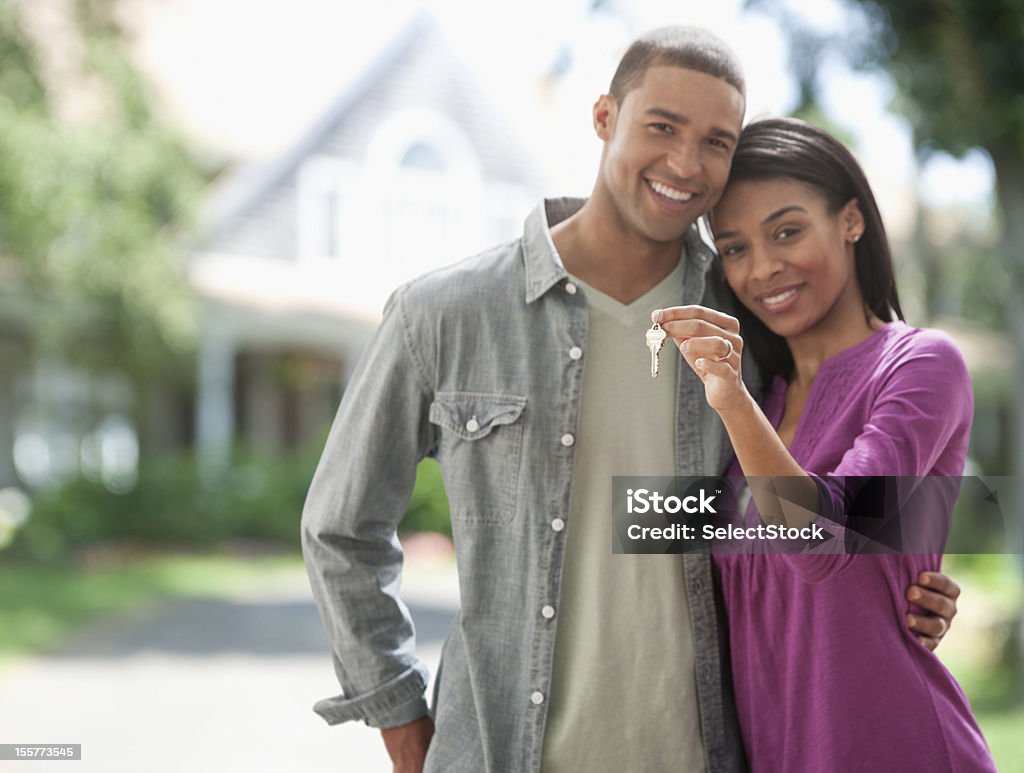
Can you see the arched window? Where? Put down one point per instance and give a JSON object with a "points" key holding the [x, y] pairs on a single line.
{"points": [[426, 186], [423, 157]]}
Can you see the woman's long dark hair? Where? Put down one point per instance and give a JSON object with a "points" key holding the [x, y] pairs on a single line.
{"points": [[787, 148]]}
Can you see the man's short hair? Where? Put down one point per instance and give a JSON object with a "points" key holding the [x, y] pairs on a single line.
{"points": [[691, 48]]}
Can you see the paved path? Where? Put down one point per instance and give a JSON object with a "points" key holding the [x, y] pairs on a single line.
{"points": [[206, 685]]}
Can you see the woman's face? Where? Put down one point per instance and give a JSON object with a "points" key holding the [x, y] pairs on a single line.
{"points": [[787, 258]]}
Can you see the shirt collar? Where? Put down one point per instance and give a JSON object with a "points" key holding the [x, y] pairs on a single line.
{"points": [[544, 267]]}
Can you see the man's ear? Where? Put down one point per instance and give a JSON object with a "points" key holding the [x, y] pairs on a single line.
{"points": [[605, 112]]}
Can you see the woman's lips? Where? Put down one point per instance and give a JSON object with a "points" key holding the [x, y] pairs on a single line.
{"points": [[779, 300]]}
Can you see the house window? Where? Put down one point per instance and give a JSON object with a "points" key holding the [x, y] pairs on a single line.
{"points": [[323, 207], [422, 156], [69, 423], [329, 230], [424, 181]]}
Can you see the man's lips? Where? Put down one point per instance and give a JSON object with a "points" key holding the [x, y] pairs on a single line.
{"points": [[679, 195]]}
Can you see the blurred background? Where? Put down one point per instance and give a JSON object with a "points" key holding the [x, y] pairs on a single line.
{"points": [[205, 203]]}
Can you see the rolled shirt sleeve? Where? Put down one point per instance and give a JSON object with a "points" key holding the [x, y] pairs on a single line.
{"points": [[359, 494]]}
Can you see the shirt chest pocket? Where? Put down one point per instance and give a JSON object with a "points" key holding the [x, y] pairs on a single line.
{"points": [[480, 445]]}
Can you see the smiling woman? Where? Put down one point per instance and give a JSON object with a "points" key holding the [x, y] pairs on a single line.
{"points": [[828, 676], [793, 266], [815, 210]]}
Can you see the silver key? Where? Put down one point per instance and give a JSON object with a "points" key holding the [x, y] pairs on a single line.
{"points": [[655, 338]]}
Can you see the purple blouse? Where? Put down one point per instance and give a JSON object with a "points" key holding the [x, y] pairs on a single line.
{"points": [[827, 674]]}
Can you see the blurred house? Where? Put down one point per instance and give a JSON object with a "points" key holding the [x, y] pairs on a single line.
{"points": [[409, 170]]}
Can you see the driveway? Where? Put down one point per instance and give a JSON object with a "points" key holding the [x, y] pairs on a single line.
{"points": [[207, 685]]}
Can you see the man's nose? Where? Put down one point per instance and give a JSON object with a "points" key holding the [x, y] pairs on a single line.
{"points": [[684, 160]]}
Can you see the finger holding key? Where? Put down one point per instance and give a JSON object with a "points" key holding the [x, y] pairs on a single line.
{"points": [[712, 346], [696, 319], [689, 322]]}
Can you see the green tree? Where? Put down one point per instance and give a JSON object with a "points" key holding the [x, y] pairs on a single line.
{"points": [[97, 195], [93, 200]]}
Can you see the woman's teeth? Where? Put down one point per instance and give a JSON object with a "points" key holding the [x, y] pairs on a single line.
{"points": [[775, 300]]}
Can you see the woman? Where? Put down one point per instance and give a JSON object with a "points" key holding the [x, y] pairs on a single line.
{"points": [[827, 676]]}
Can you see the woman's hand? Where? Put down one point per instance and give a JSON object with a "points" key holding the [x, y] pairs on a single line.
{"points": [[710, 343]]}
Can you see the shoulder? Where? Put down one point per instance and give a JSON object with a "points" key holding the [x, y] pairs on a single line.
{"points": [[923, 349], [475, 282], [925, 366]]}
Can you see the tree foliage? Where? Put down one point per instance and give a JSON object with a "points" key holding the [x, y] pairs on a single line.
{"points": [[958, 64], [93, 200]]}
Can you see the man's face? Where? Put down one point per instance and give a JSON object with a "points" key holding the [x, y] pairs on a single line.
{"points": [[668, 146]]}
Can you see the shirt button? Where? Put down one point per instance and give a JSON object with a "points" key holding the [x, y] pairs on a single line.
{"points": [[558, 524], [547, 611], [568, 440], [575, 353], [537, 698], [472, 425], [570, 288]]}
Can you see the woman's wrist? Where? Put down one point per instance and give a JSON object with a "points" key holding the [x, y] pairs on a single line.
{"points": [[740, 411]]}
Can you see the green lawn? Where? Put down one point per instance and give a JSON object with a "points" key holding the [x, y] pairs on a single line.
{"points": [[978, 649], [1004, 732], [990, 692], [41, 604]]}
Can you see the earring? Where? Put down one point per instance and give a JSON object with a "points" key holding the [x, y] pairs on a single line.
{"points": [[856, 238]]}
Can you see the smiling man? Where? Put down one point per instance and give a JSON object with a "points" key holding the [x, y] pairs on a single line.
{"points": [[522, 371]]}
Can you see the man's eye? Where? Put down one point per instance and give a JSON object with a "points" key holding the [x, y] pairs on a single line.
{"points": [[663, 127], [718, 143]]}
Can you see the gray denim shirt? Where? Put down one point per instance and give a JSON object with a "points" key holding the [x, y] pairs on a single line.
{"points": [[472, 365]]}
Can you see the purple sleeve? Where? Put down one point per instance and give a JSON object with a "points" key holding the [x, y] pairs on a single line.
{"points": [[924, 403]]}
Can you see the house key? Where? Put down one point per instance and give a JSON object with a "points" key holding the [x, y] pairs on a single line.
{"points": [[655, 338]]}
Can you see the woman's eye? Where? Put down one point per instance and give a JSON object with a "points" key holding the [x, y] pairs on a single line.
{"points": [[731, 251], [785, 233]]}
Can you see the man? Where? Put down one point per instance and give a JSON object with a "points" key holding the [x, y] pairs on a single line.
{"points": [[522, 371]]}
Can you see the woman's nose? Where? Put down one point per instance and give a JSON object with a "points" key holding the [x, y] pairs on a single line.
{"points": [[765, 263]]}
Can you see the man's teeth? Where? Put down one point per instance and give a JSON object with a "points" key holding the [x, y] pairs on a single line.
{"points": [[671, 193], [773, 300]]}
